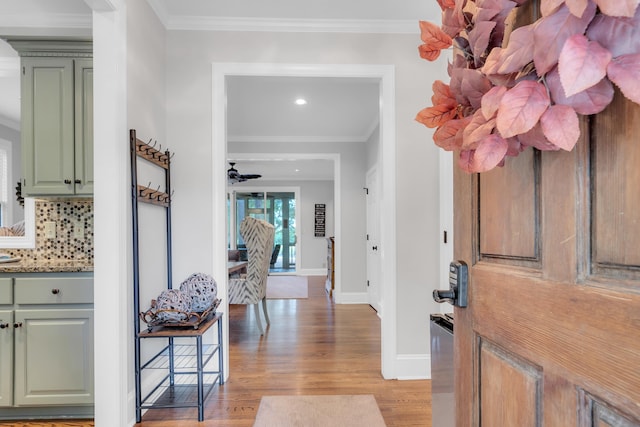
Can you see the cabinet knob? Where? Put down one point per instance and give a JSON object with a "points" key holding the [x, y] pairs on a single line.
{"points": [[78, 181], [4, 325], [67, 181], [55, 291], [17, 325]]}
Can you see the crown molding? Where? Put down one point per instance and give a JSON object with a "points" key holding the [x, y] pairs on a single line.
{"points": [[296, 139], [287, 25], [47, 20]]}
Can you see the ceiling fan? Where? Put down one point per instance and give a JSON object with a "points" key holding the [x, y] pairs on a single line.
{"points": [[234, 176]]}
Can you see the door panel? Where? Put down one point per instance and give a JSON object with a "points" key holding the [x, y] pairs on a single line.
{"points": [[616, 162], [508, 198], [505, 377], [547, 334]]}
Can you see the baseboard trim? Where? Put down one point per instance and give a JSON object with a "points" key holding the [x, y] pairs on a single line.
{"points": [[413, 366], [351, 297], [312, 272]]}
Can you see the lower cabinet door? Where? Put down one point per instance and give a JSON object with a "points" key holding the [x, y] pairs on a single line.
{"points": [[6, 358], [54, 357]]}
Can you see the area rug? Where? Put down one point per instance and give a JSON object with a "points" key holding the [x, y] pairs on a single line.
{"points": [[284, 287], [319, 411]]}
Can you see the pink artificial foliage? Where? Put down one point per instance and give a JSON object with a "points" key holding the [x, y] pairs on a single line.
{"points": [[490, 152], [618, 7], [521, 108], [477, 129], [577, 7], [561, 126], [582, 64], [547, 7], [513, 88], [491, 101], [551, 32], [624, 71], [590, 101]]}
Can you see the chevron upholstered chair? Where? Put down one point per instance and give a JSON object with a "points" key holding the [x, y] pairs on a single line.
{"points": [[258, 236]]}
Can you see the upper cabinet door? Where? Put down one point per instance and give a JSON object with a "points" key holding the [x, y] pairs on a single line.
{"points": [[48, 125], [83, 126]]}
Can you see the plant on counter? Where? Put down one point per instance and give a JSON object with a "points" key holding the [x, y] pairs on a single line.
{"points": [[525, 88]]}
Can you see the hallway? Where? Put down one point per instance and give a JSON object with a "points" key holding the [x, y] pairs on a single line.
{"points": [[311, 347]]}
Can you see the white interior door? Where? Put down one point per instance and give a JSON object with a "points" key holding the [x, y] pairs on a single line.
{"points": [[373, 234]]}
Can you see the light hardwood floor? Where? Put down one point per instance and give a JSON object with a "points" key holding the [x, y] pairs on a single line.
{"points": [[311, 347]]}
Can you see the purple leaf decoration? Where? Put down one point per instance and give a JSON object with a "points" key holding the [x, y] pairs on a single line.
{"points": [[479, 37], [561, 126], [452, 21], [577, 7], [491, 101], [582, 64], [547, 7], [490, 153], [590, 101], [489, 9], [536, 138], [624, 71], [501, 18], [465, 161], [521, 108], [618, 7], [551, 32], [456, 85], [515, 147], [519, 51], [474, 85], [477, 129], [621, 36]]}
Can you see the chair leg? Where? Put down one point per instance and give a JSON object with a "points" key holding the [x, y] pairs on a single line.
{"points": [[257, 311], [264, 308]]}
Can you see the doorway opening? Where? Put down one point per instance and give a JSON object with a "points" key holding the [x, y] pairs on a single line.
{"points": [[277, 208], [386, 161]]}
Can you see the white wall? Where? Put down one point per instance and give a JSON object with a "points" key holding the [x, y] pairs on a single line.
{"points": [[189, 58], [146, 103]]}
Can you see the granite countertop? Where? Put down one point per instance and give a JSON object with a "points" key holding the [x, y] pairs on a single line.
{"points": [[48, 266]]}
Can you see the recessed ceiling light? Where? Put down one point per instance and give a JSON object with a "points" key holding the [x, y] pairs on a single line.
{"points": [[301, 101]]}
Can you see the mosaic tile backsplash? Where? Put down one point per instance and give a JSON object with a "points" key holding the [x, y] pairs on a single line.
{"points": [[67, 214]]}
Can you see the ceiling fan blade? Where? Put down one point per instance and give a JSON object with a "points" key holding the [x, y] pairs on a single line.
{"points": [[250, 176]]}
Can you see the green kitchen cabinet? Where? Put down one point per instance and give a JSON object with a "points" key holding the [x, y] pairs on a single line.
{"points": [[46, 353], [57, 125], [53, 357], [6, 342]]}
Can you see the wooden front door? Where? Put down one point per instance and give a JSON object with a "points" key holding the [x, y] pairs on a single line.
{"points": [[551, 335]]}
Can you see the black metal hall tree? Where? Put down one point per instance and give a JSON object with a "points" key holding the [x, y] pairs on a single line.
{"points": [[184, 361]]}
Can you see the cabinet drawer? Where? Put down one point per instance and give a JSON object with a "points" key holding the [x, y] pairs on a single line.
{"points": [[54, 290], [6, 291]]}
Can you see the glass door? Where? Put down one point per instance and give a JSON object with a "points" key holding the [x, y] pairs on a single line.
{"points": [[279, 209]]}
